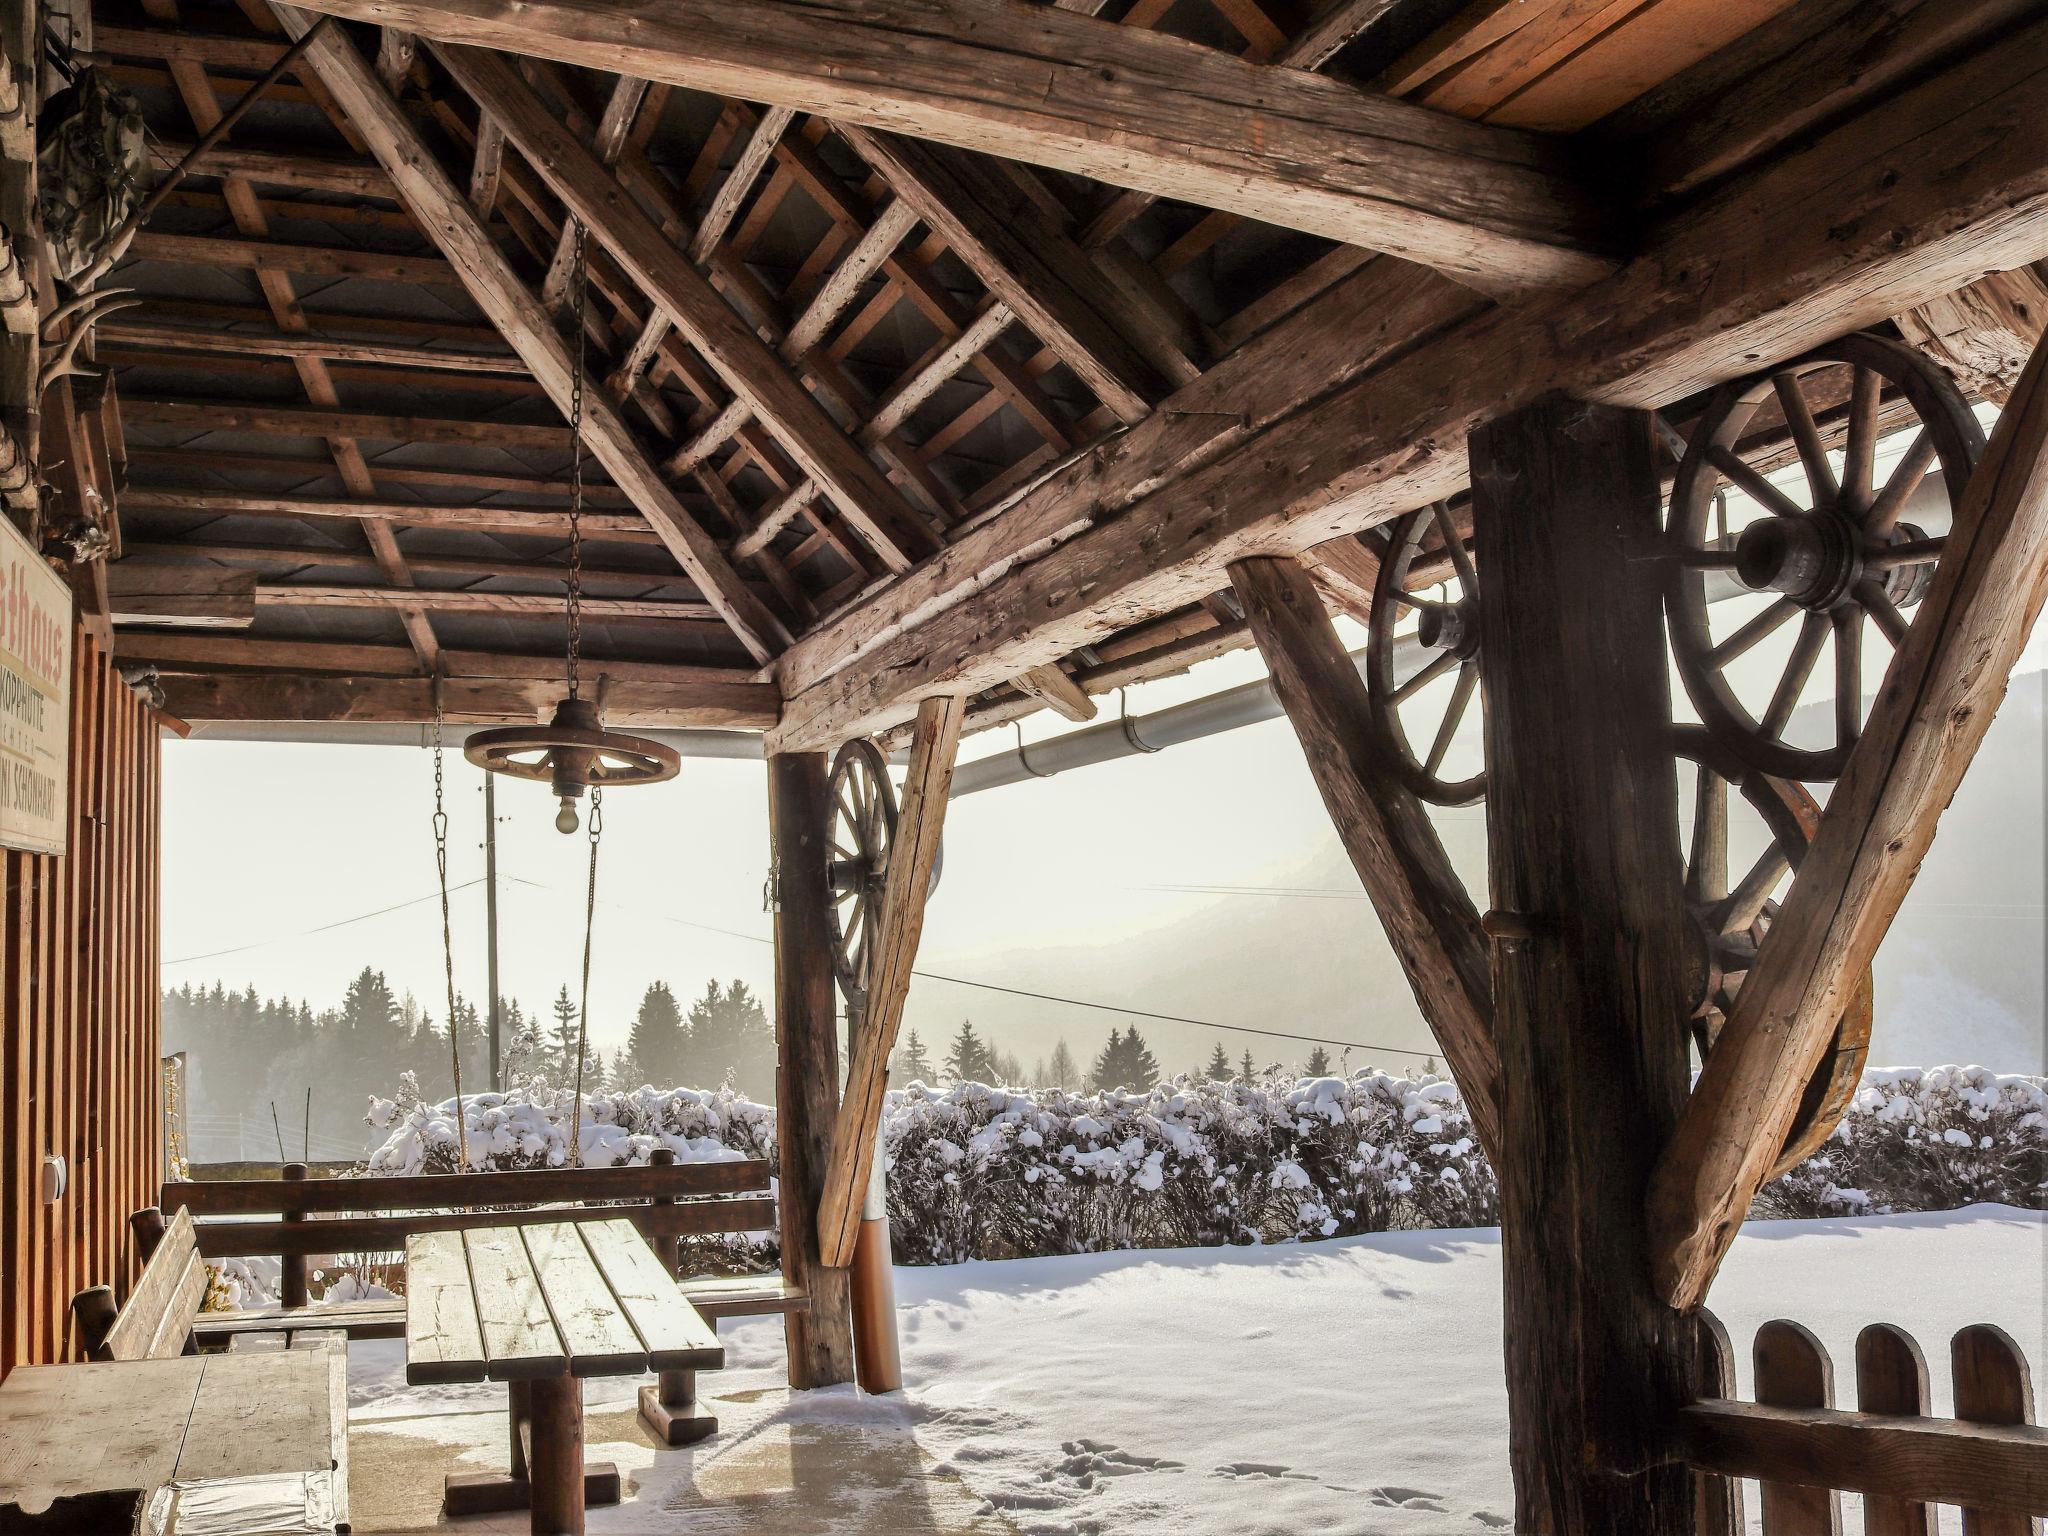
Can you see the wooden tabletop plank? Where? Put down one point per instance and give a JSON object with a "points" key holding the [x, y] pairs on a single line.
{"points": [[443, 1340], [520, 1338], [676, 1336], [590, 1319], [67, 1430], [260, 1413]]}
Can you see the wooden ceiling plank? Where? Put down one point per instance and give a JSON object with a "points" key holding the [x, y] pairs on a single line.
{"points": [[1077, 94], [335, 349], [288, 696], [406, 513]]}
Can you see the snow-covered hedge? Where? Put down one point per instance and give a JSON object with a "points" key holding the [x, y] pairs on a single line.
{"points": [[982, 1172]]}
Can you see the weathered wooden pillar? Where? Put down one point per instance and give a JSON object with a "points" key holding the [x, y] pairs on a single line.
{"points": [[807, 1064], [1581, 817]]}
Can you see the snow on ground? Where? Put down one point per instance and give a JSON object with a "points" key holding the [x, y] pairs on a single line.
{"points": [[1347, 1386]]}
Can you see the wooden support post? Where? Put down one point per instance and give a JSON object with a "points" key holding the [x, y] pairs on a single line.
{"points": [[670, 1405], [1429, 919], [555, 1454], [807, 1064], [912, 855], [291, 1285], [1582, 818], [1946, 682], [878, 1358]]}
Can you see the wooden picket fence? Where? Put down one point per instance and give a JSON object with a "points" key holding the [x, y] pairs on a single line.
{"points": [[1990, 1460]]}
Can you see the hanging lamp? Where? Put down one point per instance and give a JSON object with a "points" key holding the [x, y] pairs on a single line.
{"points": [[573, 753]]}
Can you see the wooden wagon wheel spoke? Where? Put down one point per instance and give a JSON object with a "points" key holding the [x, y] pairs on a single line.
{"points": [[1899, 487], [1419, 603], [1813, 454], [1836, 549], [1461, 558], [1848, 676], [1461, 697], [1813, 634], [1859, 459], [1753, 633], [1435, 668], [1706, 861], [1739, 909]]}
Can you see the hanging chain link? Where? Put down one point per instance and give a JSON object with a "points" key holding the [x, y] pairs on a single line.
{"points": [[589, 927], [447, 935], [579, 292]]}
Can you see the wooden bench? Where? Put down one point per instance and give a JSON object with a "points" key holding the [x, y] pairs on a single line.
{"points": [[309, 1391], [297, 1218]]}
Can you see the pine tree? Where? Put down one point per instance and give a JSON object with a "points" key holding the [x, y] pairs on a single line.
{"points": [[1060, 1071], [969, 1060], [730, 1036], [1005, 1069], [1318, 1064], [562, 1047], [1429, 1066], [1245, 1070], [1141, 1067], [1102, 1076], [525, 1053], [1218, 1070], [658, 1044], [912, 1063]]}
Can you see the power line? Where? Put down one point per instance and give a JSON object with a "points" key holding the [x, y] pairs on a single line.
{"points": [[279, 938]]}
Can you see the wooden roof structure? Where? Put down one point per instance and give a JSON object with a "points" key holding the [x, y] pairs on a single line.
{"points": [[874, 411]]}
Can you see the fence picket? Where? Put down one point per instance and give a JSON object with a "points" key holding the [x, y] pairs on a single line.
{"points": [[1891, 1377], [1793, 1371], [1993, 1386], [1717, 1501]]}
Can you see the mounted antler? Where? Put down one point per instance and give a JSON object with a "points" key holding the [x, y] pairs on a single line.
{"points": [[89, 310]]}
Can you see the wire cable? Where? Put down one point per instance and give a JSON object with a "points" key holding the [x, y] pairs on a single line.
{"points": [[360, 917]]}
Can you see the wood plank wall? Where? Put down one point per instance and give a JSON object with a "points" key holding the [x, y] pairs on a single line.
{"points": [[79, 1024]]}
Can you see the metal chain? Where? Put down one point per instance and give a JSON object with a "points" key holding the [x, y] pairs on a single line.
{"points": [[447, 936], [579, 293], [589, 926]]}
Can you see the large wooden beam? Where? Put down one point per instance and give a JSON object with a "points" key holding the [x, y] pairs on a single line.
{"points": [[771, 391], [1032, 267], [1428, 918], [1127, 106], [328, 422], [466, 701], [657, 610], [1981, 336], [1588, 1001], [420, 514], [1921, 192], [919, 825], [335, 349], [267, 653], [443, 211], [1944, 685], [820, 1339]]}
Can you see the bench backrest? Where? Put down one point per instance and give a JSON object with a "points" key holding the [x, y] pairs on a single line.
{"points": [[158, 1317]]}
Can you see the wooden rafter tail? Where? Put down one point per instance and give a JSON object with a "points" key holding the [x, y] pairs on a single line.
{"points": [[1937, 702], [1429, 919], [919, 825], [445, 212], [774, 394], [1129, 107]]}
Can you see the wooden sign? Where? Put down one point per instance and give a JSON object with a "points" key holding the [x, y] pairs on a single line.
{"points": [[35, 698]]}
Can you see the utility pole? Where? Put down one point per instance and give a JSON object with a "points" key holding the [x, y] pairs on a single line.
{"points": [[491, 918]]}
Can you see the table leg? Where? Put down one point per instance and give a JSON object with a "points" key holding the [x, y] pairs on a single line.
{"points": [[479, 1493], [556, 1455], [521, 1403], [670, 1408]]}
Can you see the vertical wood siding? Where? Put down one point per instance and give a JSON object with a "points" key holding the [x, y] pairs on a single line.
{"points": [[79, 1025]]}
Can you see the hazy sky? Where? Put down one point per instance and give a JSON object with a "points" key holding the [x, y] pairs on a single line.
{"points": [[1202, 881]]}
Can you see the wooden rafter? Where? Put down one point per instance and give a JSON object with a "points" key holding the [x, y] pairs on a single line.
{"points": [[1750, 272], [1129, 107], [446, 213], [257, 695], [1943, 688]]}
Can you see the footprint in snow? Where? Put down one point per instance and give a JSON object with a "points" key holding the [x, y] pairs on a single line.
{"points": [[1265, 1469], [1492, 1521], [1407, 1498]]}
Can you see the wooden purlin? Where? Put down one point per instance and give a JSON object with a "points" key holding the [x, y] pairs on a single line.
{"points": [[81, 1011]]}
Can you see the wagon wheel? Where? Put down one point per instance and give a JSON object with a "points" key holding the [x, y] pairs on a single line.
{"points": [[1730, 919], [861, 833], [1413, 704], [1833, 554]]}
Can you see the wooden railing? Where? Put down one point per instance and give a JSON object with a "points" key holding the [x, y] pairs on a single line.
{"points": [[1989, 1460]]}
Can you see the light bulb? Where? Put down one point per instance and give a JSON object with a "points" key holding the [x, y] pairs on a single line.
{"points": [[565, 818]]}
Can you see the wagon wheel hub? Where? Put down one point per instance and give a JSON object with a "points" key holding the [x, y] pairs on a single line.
{"points": [[1816, 560], [1454, 629]]}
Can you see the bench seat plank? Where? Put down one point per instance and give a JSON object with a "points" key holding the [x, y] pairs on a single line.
{"points": [[744, 1296], [676, 1335], [260, 1413], [589, 1318], [71, 1430], [443, 1342], [382, 1318], [163, 1301], [520, 1340]]}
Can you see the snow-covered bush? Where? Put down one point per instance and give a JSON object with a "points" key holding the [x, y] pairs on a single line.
{"points": [[1925, 1140], [978, 1172]]}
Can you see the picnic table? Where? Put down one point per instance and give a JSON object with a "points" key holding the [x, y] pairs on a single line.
{"points": [[541, 1307], [83, 1446]]}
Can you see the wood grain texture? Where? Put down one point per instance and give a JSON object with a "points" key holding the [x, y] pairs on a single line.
{"points": [[670, 1329], [1993, 1385], [1944, 685], [445, 214], [434, 1191], [520, 1339], [468, 701], [819, 1338], [377, 1234], [1588, 1009], [1891, 1378], [1125, 105], [1981, 336], [913, 852], [1429, 919], [444, 1342], [594, 1327], [1793, 1371], [1914, 195]]}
